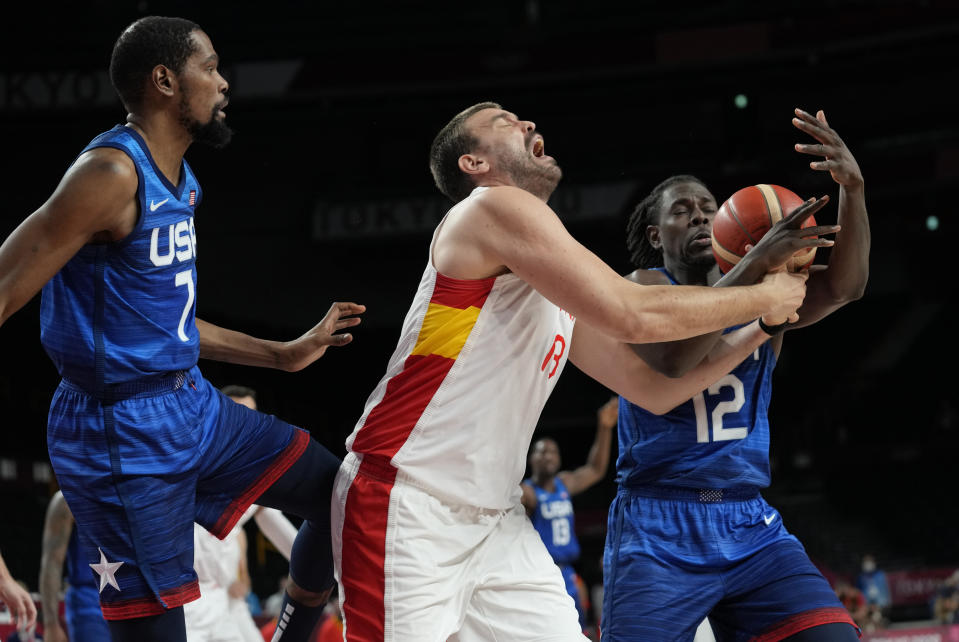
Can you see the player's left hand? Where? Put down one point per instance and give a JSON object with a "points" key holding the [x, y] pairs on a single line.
{"points": [[18, 602], [839, 161], [301, 352]]}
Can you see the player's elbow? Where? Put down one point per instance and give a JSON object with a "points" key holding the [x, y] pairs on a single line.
{"points": [[651, 402], [675, 369], [848, 292], [643, 326]]}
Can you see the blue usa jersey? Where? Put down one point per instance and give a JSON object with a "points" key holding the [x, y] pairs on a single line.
{"points": [[553, 520], [122, 311], [718, 439]]}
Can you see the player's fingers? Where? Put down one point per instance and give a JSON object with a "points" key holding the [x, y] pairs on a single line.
{"points": [[798, 216], [819, 230], [810, 125], [816, 267], [804, 116], [792, 318], [340, 339], [348, 307], [25, 611], [817, 149], [345, 308], [828, 165], [31, 613], [347, 322], [813, 125]]}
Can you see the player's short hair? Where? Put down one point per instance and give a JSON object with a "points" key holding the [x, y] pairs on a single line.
{"points": [[641, 254], [238, 391], [450, 143], [146, 43]]}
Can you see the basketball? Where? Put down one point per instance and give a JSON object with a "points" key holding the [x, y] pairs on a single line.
{"points": [[747, 215]]}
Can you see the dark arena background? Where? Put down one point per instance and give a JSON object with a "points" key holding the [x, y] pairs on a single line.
{"points": [[325, 194]]}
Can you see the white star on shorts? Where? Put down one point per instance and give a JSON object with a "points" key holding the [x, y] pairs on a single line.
{"points": [[106, 570]]}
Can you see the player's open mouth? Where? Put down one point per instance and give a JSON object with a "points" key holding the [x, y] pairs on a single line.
{"points": [[539, 148]]}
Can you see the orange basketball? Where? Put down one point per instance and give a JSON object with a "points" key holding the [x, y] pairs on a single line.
{"points": [[746, 216]]}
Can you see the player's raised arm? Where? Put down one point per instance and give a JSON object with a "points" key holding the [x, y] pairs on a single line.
{"points": [[848, 272], [597, 461], [220, 344], [94, 202], [512, 227]]}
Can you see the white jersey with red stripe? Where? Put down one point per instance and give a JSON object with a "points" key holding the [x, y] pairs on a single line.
{"points": [[463, 392]]}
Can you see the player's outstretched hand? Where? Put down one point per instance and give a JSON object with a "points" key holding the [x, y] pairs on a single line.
{"points": [[18, 602], [839, 161], [303, 351], [787, 236], [791, 287]]}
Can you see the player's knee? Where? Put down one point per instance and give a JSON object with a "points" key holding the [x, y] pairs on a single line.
{"points": [[307, 597]]}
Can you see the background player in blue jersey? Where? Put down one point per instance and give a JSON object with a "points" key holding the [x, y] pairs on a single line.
{"points": [[141, 444], [84, 619], [548, 491], [689, 533]]}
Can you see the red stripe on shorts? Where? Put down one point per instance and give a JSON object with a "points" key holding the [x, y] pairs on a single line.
{"points": [[144, 606], [274, 471], [806, 620], [364, 527]]}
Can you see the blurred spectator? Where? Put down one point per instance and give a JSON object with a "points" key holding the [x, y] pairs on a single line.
{"points": [[872, 582], [331, 628], [855, 602], [946, 605], [875, 587]]}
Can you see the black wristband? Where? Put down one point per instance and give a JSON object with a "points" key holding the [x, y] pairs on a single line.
{"points": [[772, 330]]}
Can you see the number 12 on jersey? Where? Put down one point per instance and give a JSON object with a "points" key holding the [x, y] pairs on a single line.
{"points": [[719, 432]]}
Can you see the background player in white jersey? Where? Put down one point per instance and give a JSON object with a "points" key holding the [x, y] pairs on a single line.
{"points": [[430, 539], [222, 614], [548, 492]]}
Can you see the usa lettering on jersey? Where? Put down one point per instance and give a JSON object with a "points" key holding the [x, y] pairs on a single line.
{"points": [[180, 241]]}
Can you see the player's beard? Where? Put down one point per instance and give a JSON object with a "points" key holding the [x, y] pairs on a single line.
{"points": [[527, 174], [214, 132]]}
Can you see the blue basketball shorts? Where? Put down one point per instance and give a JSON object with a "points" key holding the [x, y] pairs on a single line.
{"points": [[84, 618], [138, 471], [670, 562]]}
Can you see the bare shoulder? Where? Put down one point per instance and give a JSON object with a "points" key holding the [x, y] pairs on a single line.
{"points": [[98, 194], [508, 204], [648, 277], [104, 164]]}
